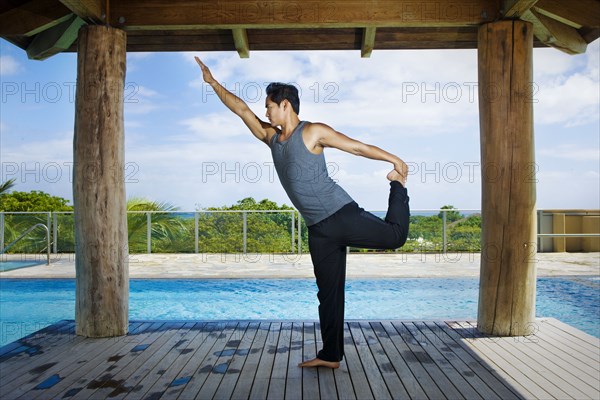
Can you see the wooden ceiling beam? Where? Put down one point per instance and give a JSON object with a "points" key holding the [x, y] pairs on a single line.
{"points": [[556, 34], [88, 10], [577, 13], [250, 14], [368, 42], [32, 17], [240, 40], [55, 40], [516, 8]]}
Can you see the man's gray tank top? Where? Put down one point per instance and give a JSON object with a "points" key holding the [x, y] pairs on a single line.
{"points": [[305, 179]]}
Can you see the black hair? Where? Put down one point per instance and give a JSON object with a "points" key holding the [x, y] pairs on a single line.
{"points": [[280, 91]]}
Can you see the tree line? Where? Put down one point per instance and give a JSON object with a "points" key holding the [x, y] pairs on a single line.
{"points": [[220, 229]]}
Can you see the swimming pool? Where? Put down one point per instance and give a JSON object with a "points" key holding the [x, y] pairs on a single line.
{"points": [[10, 265], [29, 305]]}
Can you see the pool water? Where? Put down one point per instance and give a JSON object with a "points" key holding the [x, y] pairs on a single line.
{"points": [[29, 305], [10, 265]]}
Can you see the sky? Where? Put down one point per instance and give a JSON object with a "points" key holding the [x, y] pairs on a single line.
{"points": [[182, 146]]}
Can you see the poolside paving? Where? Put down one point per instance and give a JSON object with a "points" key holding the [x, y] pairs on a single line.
{"points": [[390, 265]]}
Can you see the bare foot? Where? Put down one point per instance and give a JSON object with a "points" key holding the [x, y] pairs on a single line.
{"points": [[395, 176], [316, 362]]}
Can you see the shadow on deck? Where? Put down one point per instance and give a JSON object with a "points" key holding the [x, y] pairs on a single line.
{"points": [[258, 359]]}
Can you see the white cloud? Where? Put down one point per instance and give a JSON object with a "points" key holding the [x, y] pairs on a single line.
{"points": [[41, 165], [134, 60], [214, 126], [568, 189], [146, 92], [395, 91], [567, 87], [9, 65], [138, 99], [571, 152], [574, 101]]}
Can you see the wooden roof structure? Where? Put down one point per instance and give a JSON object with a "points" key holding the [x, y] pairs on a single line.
{"points": [[47, 27], [503, 31]]}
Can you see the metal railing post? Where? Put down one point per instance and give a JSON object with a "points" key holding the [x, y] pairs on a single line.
{"points": [[149, 233], [196, 238], [293, 232], [444, 239], [1, 230], [245, 217], [299, 234], [48, 241], [54, 233], [539, 230]]}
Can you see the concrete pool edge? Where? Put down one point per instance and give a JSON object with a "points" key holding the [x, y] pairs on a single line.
{"points": [[275, 266]]}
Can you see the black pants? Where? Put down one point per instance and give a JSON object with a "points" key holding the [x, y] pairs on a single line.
{"points": [[327, 241]]}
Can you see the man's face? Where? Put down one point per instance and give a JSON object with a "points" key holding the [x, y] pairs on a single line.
{"points": [[274, 112]]}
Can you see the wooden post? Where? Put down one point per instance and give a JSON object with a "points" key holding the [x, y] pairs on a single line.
{"points": [[508, 277], [102, 293]]}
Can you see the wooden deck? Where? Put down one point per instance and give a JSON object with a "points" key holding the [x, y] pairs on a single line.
{"points": [[257, 359]]}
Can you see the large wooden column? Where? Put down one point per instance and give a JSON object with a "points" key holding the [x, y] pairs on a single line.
{"points": [[507, 281], [102, 294]]}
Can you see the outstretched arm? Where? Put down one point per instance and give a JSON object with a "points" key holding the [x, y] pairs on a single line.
{"points": [[325, 136], [262, 130]]}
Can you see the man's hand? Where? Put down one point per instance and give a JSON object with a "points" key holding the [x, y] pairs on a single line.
{"points": [[402, 169], [206, 75]]}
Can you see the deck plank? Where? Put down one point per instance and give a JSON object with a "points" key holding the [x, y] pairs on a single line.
{"points": [[84, 373], [552, 349], [72, 363], [209, 362], [362, 390], [40, 354], [593, 341], [202, 346], [117, 383], [521, 348], [532, 351], [327, 387], [382, 361], [246, 378], [160, 362], [39, 349], [293, 387], [526, 376], [310, 376], [499, 388], [258, 359], [260, 386], [343, 380], [573, 344], [419, 350], [442, 351], [276, 389], [411, 384], [376, 381], [26, 346], [414, 365], [495, 365], [456, 378], [237, 363], [192, 340], [223, 362]]}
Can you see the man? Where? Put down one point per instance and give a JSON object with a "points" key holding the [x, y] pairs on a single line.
{"points": [[334, 220]]}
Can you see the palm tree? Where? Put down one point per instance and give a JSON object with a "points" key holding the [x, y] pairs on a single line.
{"points": [[166, 227], [6, 186]]}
